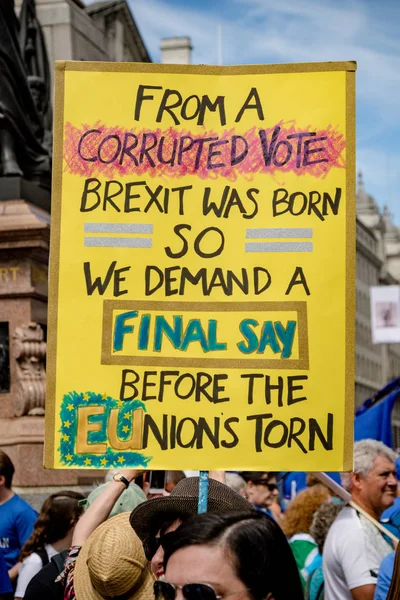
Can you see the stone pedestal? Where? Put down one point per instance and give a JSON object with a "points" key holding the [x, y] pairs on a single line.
{"points": [[17, 187], [24, 252], [24, 255]]}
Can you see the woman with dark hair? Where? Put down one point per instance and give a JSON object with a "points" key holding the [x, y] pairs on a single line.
{"points": [[215, 555], [52, 534]]}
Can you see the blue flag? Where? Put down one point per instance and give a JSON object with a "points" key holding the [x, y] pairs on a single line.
{"points": [[373, 420], [300, 479], [374, 417]]}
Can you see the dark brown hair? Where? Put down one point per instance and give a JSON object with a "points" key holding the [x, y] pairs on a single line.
{"points": [[255, 545], [59, 512], [256, 475], [6, 468]]}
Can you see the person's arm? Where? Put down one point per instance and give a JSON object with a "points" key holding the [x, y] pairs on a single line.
{"points": [[13, 572], [95, 515], [364, 592], [29, 568], [98, 512], [24, 523]]}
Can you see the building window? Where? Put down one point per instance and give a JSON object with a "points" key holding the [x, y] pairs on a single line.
{"points": [[4, 359], [396, 434]]}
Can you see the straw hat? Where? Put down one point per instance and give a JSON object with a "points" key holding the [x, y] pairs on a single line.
{"points": [[112, 563], [147, 518]]}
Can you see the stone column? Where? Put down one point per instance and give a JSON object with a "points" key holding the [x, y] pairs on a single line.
{"points": [[24, 254]]}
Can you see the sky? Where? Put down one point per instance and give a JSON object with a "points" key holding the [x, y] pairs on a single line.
{"points": [[286, 31]]}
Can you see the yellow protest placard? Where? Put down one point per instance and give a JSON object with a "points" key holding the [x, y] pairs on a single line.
{"points": [[202, 267]]}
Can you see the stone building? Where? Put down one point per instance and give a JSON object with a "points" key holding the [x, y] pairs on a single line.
{"points": [[378, 263], [102, 31], [392, 244]]}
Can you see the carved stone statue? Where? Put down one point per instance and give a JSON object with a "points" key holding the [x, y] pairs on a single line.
{"points": [[29, 350], [21, 128], [34, 54]]}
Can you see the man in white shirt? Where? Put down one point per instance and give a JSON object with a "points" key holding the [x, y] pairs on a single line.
{"points": [[354, 547]]}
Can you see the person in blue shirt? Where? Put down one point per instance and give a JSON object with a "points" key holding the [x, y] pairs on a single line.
{"points": [[384, 577], [17, 518], [391, 520]]}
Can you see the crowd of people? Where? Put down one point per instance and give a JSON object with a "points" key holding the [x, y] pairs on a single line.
{"points": [[120, 543]]}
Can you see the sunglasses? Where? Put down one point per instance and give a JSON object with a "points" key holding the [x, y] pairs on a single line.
{"points": [[191, 591], [271, 486], [152, 544]]}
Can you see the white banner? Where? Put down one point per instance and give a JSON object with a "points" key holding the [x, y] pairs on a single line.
{"points": [[385, 314]]}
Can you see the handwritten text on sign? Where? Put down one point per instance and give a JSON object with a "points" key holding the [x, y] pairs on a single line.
{"points": [[201, 268]]}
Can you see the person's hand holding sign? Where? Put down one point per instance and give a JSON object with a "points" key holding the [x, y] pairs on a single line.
{"points": [[98, 512]]}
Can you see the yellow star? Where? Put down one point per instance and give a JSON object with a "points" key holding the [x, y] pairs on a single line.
{"points": [[67, 424], [87, 461], [70, 407], [125, 428], [65, 437], [127, 415], [120, 459], [86, 397], [119, 403], [103, 461], [104, 397], [69, 457]]}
